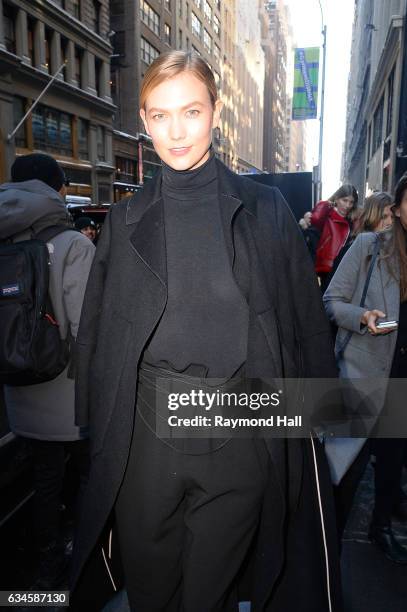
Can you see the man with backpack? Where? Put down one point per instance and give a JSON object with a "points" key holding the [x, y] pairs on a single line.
{"points": [[35, 230]]}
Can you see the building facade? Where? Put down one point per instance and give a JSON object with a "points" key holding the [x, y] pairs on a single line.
{"points": [[249, 94], [375, 111], [276, 43], [73, 120], [142, 30]]}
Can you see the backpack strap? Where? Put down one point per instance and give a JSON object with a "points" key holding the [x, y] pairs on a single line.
{"points": [[50, 232]]}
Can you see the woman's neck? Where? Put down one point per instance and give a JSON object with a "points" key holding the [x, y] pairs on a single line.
{"points": [[187, 184]]}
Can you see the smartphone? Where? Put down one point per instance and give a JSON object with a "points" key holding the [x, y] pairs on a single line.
{"points": [[387, 325]]}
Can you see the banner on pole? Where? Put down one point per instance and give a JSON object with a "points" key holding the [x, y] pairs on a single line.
{"points": [[305, 95]]}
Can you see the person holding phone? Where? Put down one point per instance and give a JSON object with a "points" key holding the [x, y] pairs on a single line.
{"points": [[194, 277], [372, 344]]}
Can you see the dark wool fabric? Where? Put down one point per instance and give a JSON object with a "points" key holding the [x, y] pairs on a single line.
{"points": [[203, 330]]}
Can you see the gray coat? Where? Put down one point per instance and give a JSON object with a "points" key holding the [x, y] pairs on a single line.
{"points": [[46, 411], [366, 359]]}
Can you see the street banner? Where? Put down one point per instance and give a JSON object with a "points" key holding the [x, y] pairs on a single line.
{"points": [[305, 95]]}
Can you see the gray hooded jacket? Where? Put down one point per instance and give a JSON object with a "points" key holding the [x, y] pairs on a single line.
{"points": [[46, 411]]}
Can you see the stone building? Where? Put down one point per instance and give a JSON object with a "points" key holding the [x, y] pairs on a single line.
{"points": [[275, 98], [73, 120], [374, 150]]}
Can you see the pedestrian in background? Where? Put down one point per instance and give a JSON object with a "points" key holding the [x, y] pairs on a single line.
{"points": [[375, 216], [332, 219], [310, 233], [44, 413], [367, 352], [87, 227]]}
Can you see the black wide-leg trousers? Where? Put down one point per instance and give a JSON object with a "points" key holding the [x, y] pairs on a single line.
{"points": [[186, 522]]}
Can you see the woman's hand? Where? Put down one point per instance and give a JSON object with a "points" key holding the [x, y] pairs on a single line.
{"points": [[369, 319]]}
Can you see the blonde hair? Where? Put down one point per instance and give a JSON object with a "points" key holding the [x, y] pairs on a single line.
{"points": [[171, 63], [373, 211]]}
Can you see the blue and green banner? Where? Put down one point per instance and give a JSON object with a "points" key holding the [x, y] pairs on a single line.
{"points": [[305, 96]]}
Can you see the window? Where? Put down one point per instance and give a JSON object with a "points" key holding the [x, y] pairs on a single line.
{"points": [[369, 141], [180, 38], [217, 4], [9, 17], [76, 8], [80, 176], [64, 54], [18, 114], [167, 4], [216, 25], [148, 52], [196, 25], [119, 44], [390, 89], [116, 8], [48, 43], [180, 8], [208, 11], [83, 138], [78, 65], [197, 3], [98, 70], [95, 15], [378, 126], [30, 35], [207, 41], [167, 34], [104, 193], [52, 130], [65, 134], [100, 143], [217, 77], [126, 170], [150, 17], [216, 53]]}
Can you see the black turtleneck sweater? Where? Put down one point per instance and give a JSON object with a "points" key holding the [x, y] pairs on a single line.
{"points": [[203, 330]]}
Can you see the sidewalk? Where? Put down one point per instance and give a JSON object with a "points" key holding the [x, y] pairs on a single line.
{"points": [[371, 582]]}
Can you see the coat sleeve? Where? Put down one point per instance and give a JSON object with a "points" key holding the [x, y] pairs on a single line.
{"points": [[76, 271], [312, 325], [89, 324], [320, 214], [338, 297]]}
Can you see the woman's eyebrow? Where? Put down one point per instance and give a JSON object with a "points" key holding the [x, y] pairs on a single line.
{"points": [[163, 110]]}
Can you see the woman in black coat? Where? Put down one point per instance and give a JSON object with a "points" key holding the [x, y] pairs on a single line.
{"points": [[203, 275]]}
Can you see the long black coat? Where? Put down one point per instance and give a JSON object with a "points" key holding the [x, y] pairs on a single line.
{"points": [[288, 336]]}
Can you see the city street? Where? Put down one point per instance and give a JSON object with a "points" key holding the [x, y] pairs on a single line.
{"points": [[371, 582], [241, 167]]}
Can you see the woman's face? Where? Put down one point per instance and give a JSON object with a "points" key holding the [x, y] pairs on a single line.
{"points": [[179, 117], [401, 211], [386, 221], [344, 205]]}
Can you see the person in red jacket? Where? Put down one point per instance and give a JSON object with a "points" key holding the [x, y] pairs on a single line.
{"points": [[331, 218]]}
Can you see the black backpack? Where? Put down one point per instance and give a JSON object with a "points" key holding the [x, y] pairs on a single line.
{"points": [[31, 349]]}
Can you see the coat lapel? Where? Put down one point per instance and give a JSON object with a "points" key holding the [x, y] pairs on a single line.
{"points": [[145, 211], [148, 241]]}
